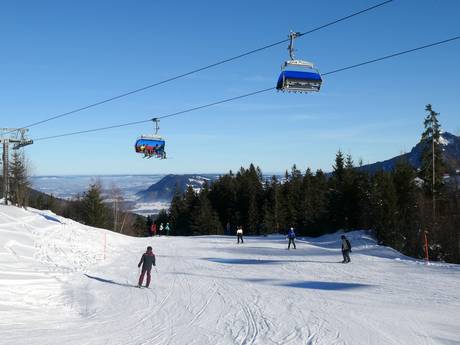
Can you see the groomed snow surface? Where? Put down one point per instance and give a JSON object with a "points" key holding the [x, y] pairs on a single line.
{"points": [[56, 287]]}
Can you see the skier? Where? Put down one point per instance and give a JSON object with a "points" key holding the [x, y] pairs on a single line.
{"points": [[239, 234], [153, 229], [161, 229], [167, 229], [147, 260], [291, 237], [346, 249]]}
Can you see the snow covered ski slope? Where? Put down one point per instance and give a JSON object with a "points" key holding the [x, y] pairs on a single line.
{"points": [[57, 288]]}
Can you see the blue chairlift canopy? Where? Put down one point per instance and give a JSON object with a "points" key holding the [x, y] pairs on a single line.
{"points": [[299, 81], [150, 146], [299, 76]]}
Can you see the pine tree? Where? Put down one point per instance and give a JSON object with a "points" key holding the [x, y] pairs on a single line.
{"points": [[94, 210], [320, 192], [178, 214], [339, 167], [295, 198], [432, 174], [139, 226], [408, 223], [118, 207], [384, 207], [189, 205], [337, 210], [249, 199], [282, 204], [432, 147], [204, 219], [19, 183], [308, 215], [222, 196], [353, 192], [51, 203], [270, 209]]}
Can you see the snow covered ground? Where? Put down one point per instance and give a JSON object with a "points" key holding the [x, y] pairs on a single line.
{"points": [[56, 287]]}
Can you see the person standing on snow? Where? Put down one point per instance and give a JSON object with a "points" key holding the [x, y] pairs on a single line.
{"points": [[147, 261], [167, 229], [153, 229], [239, 234], [291, 237], [161, 229], [346, 249]]}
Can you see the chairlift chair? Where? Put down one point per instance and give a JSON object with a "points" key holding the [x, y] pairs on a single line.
{"points": [[152, 145], [298, 75]]}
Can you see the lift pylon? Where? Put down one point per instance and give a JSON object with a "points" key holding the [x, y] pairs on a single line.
{"points": [[17, 137]]}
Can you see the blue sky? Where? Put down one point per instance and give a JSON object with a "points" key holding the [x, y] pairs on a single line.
{"points": [[61, 55]]}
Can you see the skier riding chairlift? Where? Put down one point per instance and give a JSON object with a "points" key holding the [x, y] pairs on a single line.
{"points": [[151, 145]]}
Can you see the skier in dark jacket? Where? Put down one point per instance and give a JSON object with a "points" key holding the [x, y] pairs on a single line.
{"points": [[346, 249], [291, 237], [147, 261]]}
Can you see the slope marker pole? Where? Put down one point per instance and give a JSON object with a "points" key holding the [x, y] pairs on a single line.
{"points": [[427, 258]]}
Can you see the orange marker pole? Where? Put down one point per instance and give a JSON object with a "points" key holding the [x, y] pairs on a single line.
{"points": [[426, 248]]}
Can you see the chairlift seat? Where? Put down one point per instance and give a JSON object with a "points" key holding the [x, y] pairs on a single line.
{"points": [[302, 81], [153, 142]]}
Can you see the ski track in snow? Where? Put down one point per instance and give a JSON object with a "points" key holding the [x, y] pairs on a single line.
{"points": [[57, 288]]}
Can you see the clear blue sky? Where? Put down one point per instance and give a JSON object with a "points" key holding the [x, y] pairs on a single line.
{"points": [[60, 55]]}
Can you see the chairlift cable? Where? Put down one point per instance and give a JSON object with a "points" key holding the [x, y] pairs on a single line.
{"points": [[251, 93], [159, 117], [392, 55], [221, 62]]}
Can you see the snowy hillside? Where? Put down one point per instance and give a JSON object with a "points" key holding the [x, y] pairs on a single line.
{"points": [[56, 287]]}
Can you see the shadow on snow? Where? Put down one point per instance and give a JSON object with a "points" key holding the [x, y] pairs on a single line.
{"points": [[235, 261], [329, 286], [301, 284], [48, 217], [109, 281], [242, 261]]}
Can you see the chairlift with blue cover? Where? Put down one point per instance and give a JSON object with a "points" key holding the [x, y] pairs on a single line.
{"points": [[298, 75], [152, 145]]}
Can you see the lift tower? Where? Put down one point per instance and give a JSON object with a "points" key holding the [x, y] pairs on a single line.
{"points": [[17, 137]]}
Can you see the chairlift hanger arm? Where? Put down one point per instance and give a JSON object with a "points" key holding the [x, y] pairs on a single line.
{"points": [[292, 36], [157, 124]]}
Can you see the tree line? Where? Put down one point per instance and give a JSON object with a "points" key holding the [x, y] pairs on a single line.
{"points": [[401, 206]]}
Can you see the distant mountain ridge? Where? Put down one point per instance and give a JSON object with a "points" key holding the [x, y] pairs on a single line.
{"points": [[164, 189], [451, 155]]}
